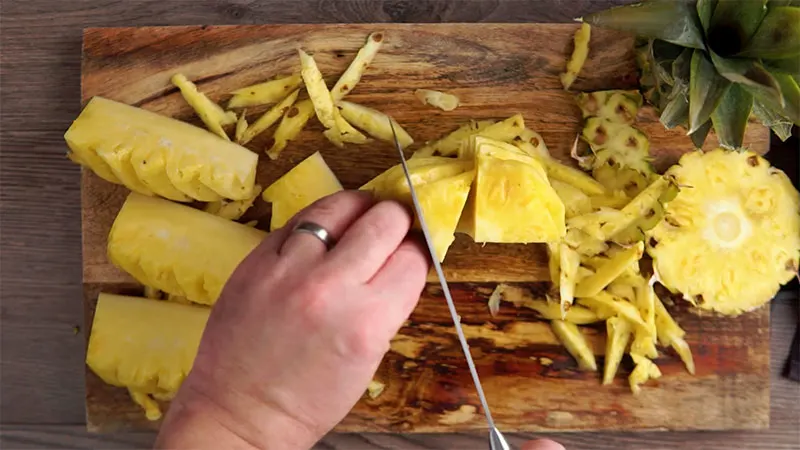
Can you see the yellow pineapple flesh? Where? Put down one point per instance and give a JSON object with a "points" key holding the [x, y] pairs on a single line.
{"points": [[732, 236], [512, 200], [177, 249], [147, 346], [111, 137], [442, 186], [306, 183]]}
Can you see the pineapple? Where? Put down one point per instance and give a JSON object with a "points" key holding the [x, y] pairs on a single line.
{"points": [[374, 122], [571, 337], [212, 115], [306, 183], [579, 55], [266, 93], [292, 123], [615, 106], [512, 200], [112, 138], [731, 238], [268, 118], [442, 186], [177, 249], [232, 209], [147, 346], [708, 64], [619, 334], [450, 144]]}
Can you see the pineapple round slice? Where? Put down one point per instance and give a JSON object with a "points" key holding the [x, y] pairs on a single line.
{"points": [[732, 236]]}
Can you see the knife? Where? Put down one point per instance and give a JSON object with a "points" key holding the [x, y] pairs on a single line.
{"points": [[496, 439]]}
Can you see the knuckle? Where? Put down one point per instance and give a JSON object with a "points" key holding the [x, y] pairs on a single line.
{"points": [[361, 342]]}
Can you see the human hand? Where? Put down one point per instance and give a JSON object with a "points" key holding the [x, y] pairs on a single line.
{"points": [[298, 332], [542, 444]]}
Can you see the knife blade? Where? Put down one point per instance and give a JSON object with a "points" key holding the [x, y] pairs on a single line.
{"points": [[496, 439]]}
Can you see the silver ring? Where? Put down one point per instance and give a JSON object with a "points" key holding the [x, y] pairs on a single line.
{"points": [[317, 231]]}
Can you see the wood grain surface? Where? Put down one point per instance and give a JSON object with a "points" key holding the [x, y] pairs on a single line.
{"points": [[494, 73], [42, 370]]}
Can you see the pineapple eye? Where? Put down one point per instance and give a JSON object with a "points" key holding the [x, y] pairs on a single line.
{"points": [[760, 201]]}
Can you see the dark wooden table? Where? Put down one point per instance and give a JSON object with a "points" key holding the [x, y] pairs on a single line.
{"points": [[42, 347]]}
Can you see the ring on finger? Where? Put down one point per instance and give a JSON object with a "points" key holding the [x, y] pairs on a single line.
{"points": [[317, 231]]}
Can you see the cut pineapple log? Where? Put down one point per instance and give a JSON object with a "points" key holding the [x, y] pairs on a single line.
{"points": [[150, 164], [513, 201], [451, 143], [614, 106], [209, 112], [145, 345], [232, 209], [732, 237], [576, 344], [178, 249], [269, 118], [619, 334], [306, 183], [292, 123], [579, 54], [374, 122], [266, 93], [198, 164]]}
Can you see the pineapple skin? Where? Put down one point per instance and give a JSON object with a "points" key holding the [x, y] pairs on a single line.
{"points": [[109, 137], [145, 345], [177, 249], [731, 240]]}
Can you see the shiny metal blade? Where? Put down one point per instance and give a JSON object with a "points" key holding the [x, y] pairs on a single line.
{"points": [[456, 318]]}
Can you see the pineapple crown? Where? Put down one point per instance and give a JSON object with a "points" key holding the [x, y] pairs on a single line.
{"points": [[712, 63]]}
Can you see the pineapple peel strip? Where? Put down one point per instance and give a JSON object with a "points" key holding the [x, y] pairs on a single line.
{"points": [[356, 69], [212, 115]]}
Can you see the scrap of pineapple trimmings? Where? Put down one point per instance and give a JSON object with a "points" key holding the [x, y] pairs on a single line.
{"points": [[579, 54]]}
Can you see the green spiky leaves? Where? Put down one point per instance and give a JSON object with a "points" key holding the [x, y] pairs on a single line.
{"points": [[708, 64]]}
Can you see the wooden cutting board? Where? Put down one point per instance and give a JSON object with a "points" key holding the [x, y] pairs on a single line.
{"points": [[497, 70]]}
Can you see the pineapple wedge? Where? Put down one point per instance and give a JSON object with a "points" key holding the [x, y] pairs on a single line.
{"points": [[442, 191], [512, 201], [198, 164], [145, 345], [306, 183], [729, 241], [177, 249]]}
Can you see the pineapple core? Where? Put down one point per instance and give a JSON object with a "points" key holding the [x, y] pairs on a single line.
{"points": [[731, 237]]}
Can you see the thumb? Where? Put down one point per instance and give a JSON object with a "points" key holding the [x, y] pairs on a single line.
{"points": [[542, 444]]}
